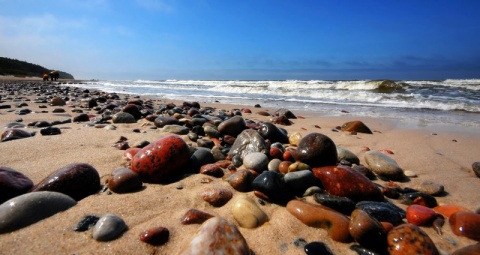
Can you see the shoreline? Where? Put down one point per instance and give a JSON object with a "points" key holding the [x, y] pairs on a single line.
{"points": [[443, 156]]}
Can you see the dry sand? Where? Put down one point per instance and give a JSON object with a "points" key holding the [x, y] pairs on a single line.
{"points": [[445, 158]]}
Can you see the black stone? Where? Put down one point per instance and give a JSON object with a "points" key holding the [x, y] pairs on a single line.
{"points": [[383, 211], [50, 131], [317, 248], [86, 223], [272, 185], [270, 131], [341, 204], [476, 168]]}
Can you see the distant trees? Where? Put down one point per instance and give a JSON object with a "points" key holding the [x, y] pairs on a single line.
{"points": [[16, 67]]}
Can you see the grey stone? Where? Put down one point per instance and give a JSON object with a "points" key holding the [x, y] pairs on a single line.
{"points": [[256, 161], [345, 154], [108, 227], [300, 181], [123, 117], [247, 142], [175, 129], [383, 165]]}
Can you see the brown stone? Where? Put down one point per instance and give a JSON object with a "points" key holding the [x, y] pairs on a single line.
{"points": [[194, 216], [356, 126], [216, 196], [466, 224], [410, 239], [13, 183], [368, 232]]}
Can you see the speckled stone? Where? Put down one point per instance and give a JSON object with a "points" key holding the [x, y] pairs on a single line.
{"points": [[247, 142], [247, 213], [26, 209], [123, 117], [216, 196], [241, 180], [217, 236], [175, 129], [295, 138], [108, 227], [410, 239]]}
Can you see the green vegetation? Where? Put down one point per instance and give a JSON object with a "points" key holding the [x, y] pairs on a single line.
{"points": [[15, 67]]}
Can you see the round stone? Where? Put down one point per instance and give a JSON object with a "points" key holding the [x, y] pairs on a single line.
{"points": [[410, 239], [13, 183], [345, 154], [383, 165], [233, 126], [431, 188], [123, 180], [108, 227], [247, 213], [317, 150], [155, 236], [256, 161], [123, 117], [216, 196]]}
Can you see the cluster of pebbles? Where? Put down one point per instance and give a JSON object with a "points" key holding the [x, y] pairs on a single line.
{"points": [[320, 184]]}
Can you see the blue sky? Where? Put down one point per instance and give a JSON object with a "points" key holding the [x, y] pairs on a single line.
{"points": [[248, 39]]}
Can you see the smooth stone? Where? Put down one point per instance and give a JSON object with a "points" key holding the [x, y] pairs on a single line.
{"points": [[256, 161], [108, 227], [15, 133], [410, 173], [123, 117], [273, 133], [217, 197], [83, 117], [212, 170], [274, 164], [26, 209], [317, 248], [175, 129], [419, 198], [86, 223], [420, 215], [466, 224], [162, 160], [340, 204], [285, 112], [247, 142], [476, 168], [299, 181], [247, 213], [77, 180], [124, 180], [283, 166], [410, 239], [319, 216], [343, 181], [345, 154], [133, 110], [295, 138], [233, 126], [42, 124], [212, 132], [217, 236], [298, 166], [200, 157], [368, 231], [431, 188], [50, 131], [13, 183], [312, 191], [383, 211], [356, 126], [155, 236], [449, 209], [272, 185], [194, 216], [57, 101], [317, 150], [241, 180], [383, 165], [162, 121]]}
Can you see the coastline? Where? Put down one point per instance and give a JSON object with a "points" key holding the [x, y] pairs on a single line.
{"points": [[443, 156]]}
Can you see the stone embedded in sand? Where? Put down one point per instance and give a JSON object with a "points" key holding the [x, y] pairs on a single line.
{"points": [[124, 180], [133, 110], [13, 183], [431, 188], [15, 133], [77, 180], [316, 248], [272, 185], [108, 227], [285, 112], [233, 126], [194, 216], [123, 117], [420, 215], [212, 170], [476, 168], [317, 150], [50, 131], [57, 101], [466, 224], [162, 121], [26, 209], [345, 154], [384, 165], [256, 161], [368, 231], [273, 133], [82, 117], [86, 223], [319, 216], [175, 129], [343, 181], [216, 196], [247, 213], [356, 126], [162, 160], [247, 142], [217, 236], [410, 239], [155, 236], [241, 180]]}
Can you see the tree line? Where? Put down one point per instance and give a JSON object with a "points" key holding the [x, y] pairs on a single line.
{"points": [[16, 67]]}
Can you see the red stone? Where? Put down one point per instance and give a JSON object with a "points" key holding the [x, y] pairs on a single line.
{"points": [[448, 210], [420, 215], [343, 181], [409, 239], [216, 196], [162, 160], [212, 170], [194, 216], [283, 166], [130, 152], [466, 224], [276, 153], [357, 126], [155, 236]]}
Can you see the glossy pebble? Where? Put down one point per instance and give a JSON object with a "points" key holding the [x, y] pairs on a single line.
{"points": [[247, 213], [420, 215], [194, 216], [13, 183], [410, 239], [155, 236], [384, 165], [216, 196], [466, 224], [108, 227], [124, 180]]}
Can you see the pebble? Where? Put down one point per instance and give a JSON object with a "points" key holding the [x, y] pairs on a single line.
{"points": [[383, 211], [77, 180], [295, 138], [317, 248], [340, 204], [212, 170], [247, 213], [273, 165], [466, 224], [233, 126], [420, 215], [109, 227], [449, 209], [476, 168], [175, 129], [319, 216], [410, 239], [82, 117], [211, 132], [14, 134], [368, 231], [283, 166], [343, 181], [298, 166], [13, 183], [216, 196], [26, 209], [241, 180], [273, 133], [162, 160], [194, 216], [256, 161], [86, 223], [312, 190], [356, 126], [299, 181], [155, 236], [317, 150], [270, 184], [162, 121], [410, 173], [247, 142], [419, 198], [123, 180], [50, 131], [431, 188], [200, 157], [57, 101], [345, 154], [383, 165], [217, 236]]}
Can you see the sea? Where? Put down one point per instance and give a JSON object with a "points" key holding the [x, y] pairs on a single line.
{"points": [[416, 103]]}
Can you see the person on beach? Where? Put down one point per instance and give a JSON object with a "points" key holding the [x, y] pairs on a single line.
{"points": [[45, 77], [54, 75]]}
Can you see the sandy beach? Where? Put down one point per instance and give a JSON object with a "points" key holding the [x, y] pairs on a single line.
{"points": [[436, 153]]}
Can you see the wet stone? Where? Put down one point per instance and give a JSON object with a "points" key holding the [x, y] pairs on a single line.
{"points": [[273, 186], [200, 157], [345, 154], [383, 211], [317, 150], [108, 227], [212, 170], [123, 180], [241, 180], [299, 181], [13, 183], [409, 239], [273, 133], [155, 236], [256, 161], [340, 204], [233, 126], [86, 223], [383, 165], [273, 164], [317, 248], [194, 216], [216, 196], [247, 142], [368, 231], [14, 134], [466, 224]]}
